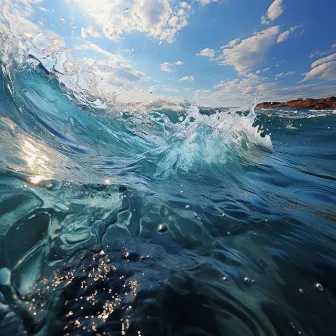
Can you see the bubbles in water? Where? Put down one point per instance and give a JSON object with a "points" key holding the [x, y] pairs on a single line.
{"points": [[246, 280], [301, 291], [162, 228], [126, 10], [319, 287], [62, 19]]}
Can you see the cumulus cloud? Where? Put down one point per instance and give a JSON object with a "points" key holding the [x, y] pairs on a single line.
{"points": [[251, 51], [237, 92], [116, 71], [248, 85], [323, 68], [155, 18], [231, 43], [169, 67], [185, 5], [207, 53], [187, 78], [285, 35], [273, 12]]}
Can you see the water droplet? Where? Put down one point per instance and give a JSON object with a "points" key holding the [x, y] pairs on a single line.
{"points": [[181, 192], [126, 10], [187, 206], [319, 287], [301, 291], [246, 280], [162, 228], [62, 19], [225, 278]]}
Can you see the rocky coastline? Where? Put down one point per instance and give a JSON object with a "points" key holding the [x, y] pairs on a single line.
{"points": [[300, 103]]}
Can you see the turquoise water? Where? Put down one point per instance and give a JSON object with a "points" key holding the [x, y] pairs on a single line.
{"points": [[162, 221]]}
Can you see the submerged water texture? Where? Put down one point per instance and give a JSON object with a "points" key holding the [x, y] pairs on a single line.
{"points": [[164, 222]]}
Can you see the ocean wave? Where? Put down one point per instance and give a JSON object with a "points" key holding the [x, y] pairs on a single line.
{"points": [[117, 215]]}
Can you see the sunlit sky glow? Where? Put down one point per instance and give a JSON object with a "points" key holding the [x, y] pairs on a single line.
{"points": [[213, 52]]}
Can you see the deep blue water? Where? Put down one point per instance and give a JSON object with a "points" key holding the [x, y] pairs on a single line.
{"points": [[162, 222]]}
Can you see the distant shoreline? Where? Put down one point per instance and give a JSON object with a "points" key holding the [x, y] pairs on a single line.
{"points": [[300, 104]]}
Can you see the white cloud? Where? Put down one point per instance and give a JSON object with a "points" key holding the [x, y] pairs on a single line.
{"points": [[333, 46], [116, 71], [315, 54], [231, 43], [251, 83], [89, 31], [185, 5], [285, 35], [173, 21], [273, 12], [169, 67], [285, 74], [323, 60], [251, 51], [324, 68], [262, 70], [236, 92], [234, 42], [187, 78], [207, 53], [206, 2], [155, 18], [87, 45]]}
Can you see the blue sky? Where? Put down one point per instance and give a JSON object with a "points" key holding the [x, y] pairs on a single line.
{"points": [[219, 53]]}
